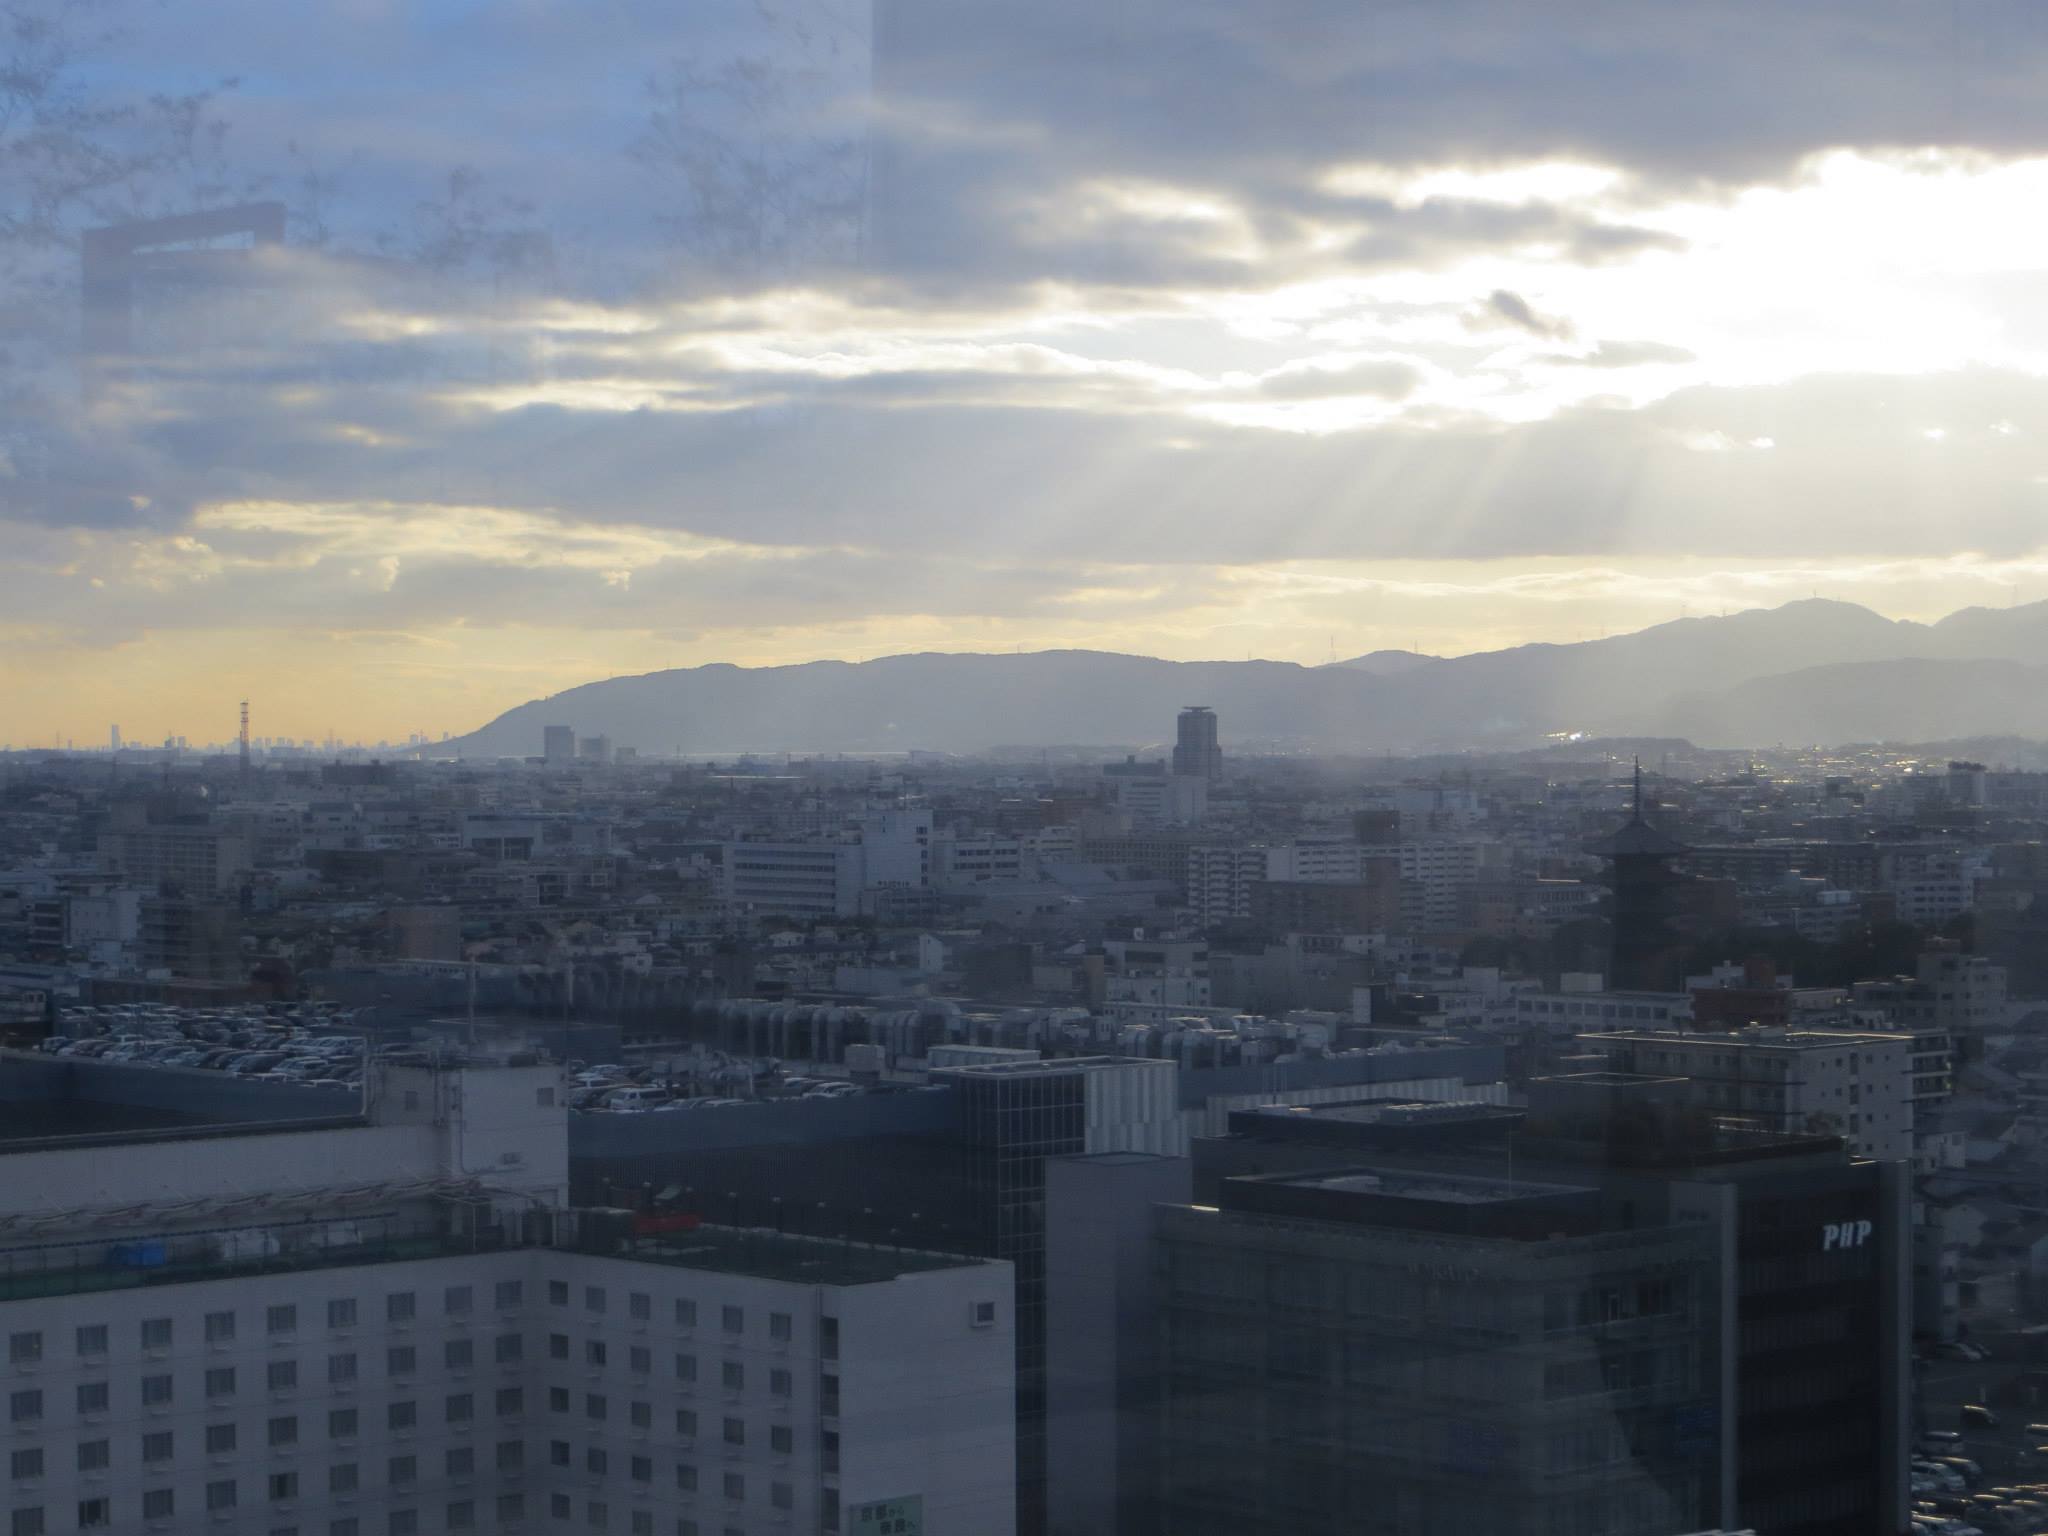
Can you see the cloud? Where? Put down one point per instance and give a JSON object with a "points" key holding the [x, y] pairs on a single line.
{"points": [[1504, 305]]}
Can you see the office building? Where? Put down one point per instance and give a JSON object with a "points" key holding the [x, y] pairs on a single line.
{"points": [[1490, 1313], [558, 744], [1196, 754]]}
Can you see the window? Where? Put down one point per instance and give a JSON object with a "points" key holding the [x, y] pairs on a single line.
{"points": [[91, 1340], [221, 1495], [284, 1430], [511, 1455], [403, 1470], [735, 1431], [220, 1381], [781, 1495], [343, 1477], [781, 1327], [399, 1307], [401, 1360], [341, 1312], [283, 1318], [558, 1399], [341, 1369], [733, 1375], [158, 1446], [95, 1455], [686, 1422], [220, 1327], [220, 1439], [595, 1460], [780, 1384], [26, 1522], [511, 1507], [558, 1346], [159, 1503], [639, 1306], [598, 1514], [643, 1522], [94, 1514], [594, 1406], [558, 1453], [640, 1359], [510, 1294], [23, 1465], [156, 1333], [403, 1522], [342, 1423], [461, 1516], [558, 1293], [593, 1298], [733, 1319], [92, 1397], [347, 1525], [284, 1485], [460, 1408], [828, 1337], [593, 1352], [24, 1348], [686, 1367], [511, 1400], [156, 1391], [458, 1300], [509, 1348], [458, 1354], [282, 1375], [686, 1313], [735, 1486], [781, 1440], [642, 1469], [558, 1505], [686, 1476], [401, 1415], [641, 1415], [460, 1461]]}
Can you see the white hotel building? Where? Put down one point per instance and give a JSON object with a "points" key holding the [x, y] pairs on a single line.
{"points": [[390, 1324]]}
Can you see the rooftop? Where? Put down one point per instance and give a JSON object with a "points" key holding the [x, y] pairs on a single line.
{"points": [[1443, 1189], [767, 1255]]}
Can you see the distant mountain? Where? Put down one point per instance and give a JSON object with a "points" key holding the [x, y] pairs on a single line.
{"points": [[1812, 671]]}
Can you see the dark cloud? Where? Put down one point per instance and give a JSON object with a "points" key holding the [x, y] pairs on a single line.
{"points": [[1511, 307]]}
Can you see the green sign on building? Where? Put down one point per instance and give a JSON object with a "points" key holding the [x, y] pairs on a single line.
{"points": [[888, 1517]]}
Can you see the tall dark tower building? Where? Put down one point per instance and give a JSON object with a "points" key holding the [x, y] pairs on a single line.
{"points": [[1644, 900], [1195, 752]]}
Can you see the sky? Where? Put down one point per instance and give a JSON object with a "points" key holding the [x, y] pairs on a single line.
{"points": [[613, 335]]}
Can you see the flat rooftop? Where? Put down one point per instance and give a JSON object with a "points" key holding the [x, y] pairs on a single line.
{"points": [[1440, 1189], [766, 1255]]}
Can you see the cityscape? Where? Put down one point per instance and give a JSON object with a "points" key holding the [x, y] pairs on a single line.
{"points": [[1098, 768]]}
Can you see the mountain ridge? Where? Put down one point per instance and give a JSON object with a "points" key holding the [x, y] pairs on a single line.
{"points": [[1734, 680]]}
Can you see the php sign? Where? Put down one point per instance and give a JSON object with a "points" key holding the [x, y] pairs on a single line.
{"points": [[1844, 1234]]}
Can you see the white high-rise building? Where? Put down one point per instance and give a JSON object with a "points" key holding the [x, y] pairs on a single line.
{"points": [[393, 1326]]}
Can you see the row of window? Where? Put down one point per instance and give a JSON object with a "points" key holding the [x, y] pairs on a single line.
{"points": [[640, 1308], [459, 1515], [162, 1504], [457, 1461], [283, 1430], [91, 1340], [26, 1407]]}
